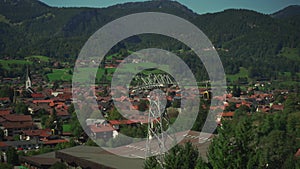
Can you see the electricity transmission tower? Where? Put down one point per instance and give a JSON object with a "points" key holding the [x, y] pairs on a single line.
{"points": [[158, 121]]}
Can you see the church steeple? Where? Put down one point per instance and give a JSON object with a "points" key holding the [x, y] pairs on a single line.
{"points": [[28, 81]]}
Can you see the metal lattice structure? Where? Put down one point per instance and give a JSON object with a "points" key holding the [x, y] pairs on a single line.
{"points": [[158, 120], [153, 81]]}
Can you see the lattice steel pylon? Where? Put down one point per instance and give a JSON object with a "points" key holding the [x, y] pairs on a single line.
{"points": [[158, 122], [158, 139]]}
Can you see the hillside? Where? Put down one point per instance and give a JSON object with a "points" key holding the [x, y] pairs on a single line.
{"points": [[290, 11], [243, 38]]}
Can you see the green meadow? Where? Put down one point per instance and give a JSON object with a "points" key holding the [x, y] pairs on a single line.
{"points": [[242, 73], [64, 74], [7, 64], [38, 57]]}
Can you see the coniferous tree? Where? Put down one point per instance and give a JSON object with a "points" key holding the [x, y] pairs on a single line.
{"points": [[12, 156]]}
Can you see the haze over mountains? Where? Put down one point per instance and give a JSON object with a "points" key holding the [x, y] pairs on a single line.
{"points": [[29, 27]]}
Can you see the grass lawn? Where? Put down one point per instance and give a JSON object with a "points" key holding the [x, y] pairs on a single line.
{"points": [[63, 74], [60, 74], [242, 73], [5, 63], [67, 128]]}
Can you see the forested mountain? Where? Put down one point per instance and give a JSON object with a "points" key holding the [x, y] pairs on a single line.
{"points": [[290, 11], [30, 27], [243, 38]]}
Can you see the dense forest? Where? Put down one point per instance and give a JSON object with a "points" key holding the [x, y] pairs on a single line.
{"points": [[266, 45]]}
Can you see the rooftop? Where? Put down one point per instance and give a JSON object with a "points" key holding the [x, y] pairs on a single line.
{"points": [[39, 161], [95, 157], [98, 128], [17, 118]]}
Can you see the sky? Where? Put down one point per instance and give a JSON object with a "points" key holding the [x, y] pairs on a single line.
{"points": [[198, 6]]}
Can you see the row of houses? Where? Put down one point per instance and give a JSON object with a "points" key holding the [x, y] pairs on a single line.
{"points": [[258, 102]]}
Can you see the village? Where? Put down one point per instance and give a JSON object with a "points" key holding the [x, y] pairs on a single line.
{"points": [[43, 117]]}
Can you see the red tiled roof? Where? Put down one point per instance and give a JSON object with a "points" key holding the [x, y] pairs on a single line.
{"points": [[238, 105], [42, 101], [51, 104], [41, 132], [2, 144], [14, 125], [228, 114], [61, 112], [118, 122], [5, 112], [134, 107], [277, 107], [65, 96], [4, 99], [37, 95], [17, 118], [101, 128]]}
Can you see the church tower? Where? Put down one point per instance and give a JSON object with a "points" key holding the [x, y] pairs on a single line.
{"points": [[28, 81]]}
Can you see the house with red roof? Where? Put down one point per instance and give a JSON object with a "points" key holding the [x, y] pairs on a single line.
{"points": [[228, 115], [116, 123], [104, 131], [40, 134], [5, 112], [4, 99], [224, 115], [62, 112], [243, 103], [42, 102], [277, 107], [13, 124], [37, 96], [54, 142]]}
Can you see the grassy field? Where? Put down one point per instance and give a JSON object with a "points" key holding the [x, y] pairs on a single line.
{"points": [[6, 63], [67, 128], [38, 57], [64, 74], [242, 73], [60, 74]]}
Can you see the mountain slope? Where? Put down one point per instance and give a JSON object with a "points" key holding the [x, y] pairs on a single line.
{"points": [[20, 10], [58, 32], [290, 11], [243, 38]]}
